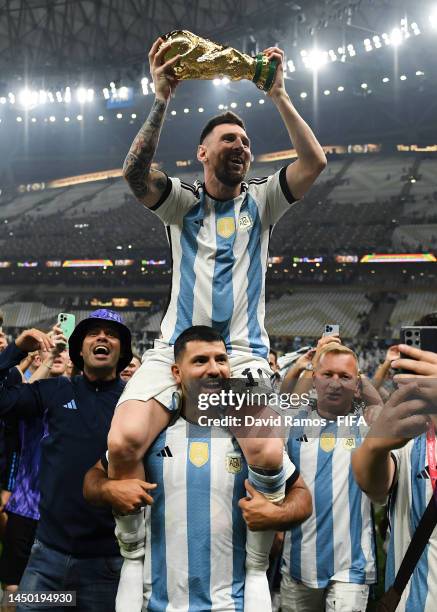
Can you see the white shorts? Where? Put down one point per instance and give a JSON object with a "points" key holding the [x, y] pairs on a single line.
{"points": [[337, 597], [155, 380]]}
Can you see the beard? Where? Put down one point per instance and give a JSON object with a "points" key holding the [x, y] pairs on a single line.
{"points": [[230, 178]]}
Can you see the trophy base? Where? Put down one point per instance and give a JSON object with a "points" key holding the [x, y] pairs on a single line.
{"points": [[265, 71]]}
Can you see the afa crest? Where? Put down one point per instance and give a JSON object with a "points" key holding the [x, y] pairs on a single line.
{"points": [[226, 227], [349, 443], [327, 442], [234, 463], [199, 453]]}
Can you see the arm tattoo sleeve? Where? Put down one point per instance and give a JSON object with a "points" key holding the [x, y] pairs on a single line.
{"points": [[136, 167]]}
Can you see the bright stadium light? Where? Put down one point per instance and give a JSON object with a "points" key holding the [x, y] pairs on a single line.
{"points": [[67, 119], [340, 89], [315, 59], [386, 80], [327, 92], [290, 66], [415, 28], [332, 55], [67, 95], [81, 95], [27, 98], [11, 98], [377, 42], [2, 100], [420, 73], [51, 97], [79, 117], [233, 105], [386, 38], [123, 93], [119, 116], [33, 119], [364, 86], [396, 37], [186, 110], [303, 95], [19, 119], [433, 19], [145, 85], [403, 77], [100, 117], [133, 116], [59, 96], [225, 80], [173, 112], [106, 94], [52, 118], [200, 109], [221, 106], [248, 104], [216, 82]]}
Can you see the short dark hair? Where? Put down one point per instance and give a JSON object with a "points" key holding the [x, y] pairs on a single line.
{"points": [[428, 320], [193, 334], [275, 354], [227, 117]]}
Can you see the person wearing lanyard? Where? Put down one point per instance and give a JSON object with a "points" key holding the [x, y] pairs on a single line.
{"points": [[397, 459]]}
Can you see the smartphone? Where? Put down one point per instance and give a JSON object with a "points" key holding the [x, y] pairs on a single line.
{"points": [[421, 337], [331, 329], [67, 322]]}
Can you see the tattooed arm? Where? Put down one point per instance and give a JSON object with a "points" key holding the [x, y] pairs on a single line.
{"points": [[149, 185]]}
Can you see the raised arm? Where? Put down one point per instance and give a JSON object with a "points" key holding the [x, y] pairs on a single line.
{"points": [[149, 185], [311, 158], [403, 417]]}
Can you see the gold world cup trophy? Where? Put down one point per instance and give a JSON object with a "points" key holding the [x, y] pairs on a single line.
{"points": [[201, 58]]}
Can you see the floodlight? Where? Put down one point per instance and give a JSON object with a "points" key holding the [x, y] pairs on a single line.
{"points": [[27, 98], [396, 37], [81, 95]]}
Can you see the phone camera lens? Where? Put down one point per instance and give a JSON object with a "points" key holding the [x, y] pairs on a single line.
{"points": [[408, 334], [409, 342]]}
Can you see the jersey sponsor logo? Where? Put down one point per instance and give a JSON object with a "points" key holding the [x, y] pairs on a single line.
{"points": [[234, 464], [327, 442], [226, 227], [349, 443], [71, 405], [245, 221], [199, 453], [165, 452]]}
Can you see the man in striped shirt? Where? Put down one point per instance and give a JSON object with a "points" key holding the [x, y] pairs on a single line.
{"points": [[187, 551], [218, 232], [329, 561], [398, 459]]}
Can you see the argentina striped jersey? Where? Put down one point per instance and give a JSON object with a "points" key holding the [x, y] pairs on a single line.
{"points": [[408, 501], [337, 542], [195, 532], [219, 252]]}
